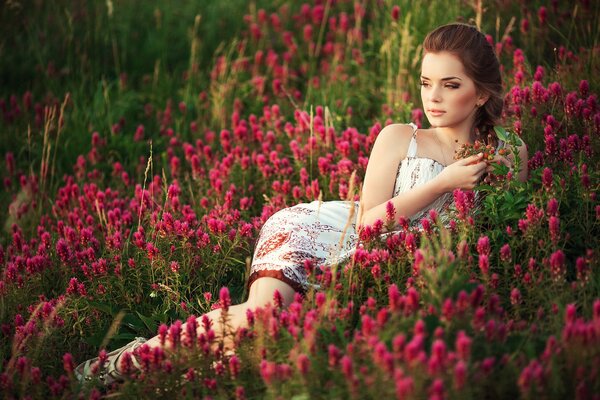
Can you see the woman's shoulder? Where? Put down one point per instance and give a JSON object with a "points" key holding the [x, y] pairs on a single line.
{"points": [[392, 143], [396, 133]]}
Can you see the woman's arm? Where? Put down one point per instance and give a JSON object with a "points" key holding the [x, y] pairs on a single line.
{"points": [[389, 149]]}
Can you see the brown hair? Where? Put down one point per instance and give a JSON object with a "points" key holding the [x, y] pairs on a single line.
{"points": [[481, 65]]}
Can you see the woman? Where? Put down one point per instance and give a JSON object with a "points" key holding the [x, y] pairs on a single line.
{"points": [[413, 168]]}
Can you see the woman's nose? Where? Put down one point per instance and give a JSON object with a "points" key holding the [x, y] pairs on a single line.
{"points": [[434, 94]]}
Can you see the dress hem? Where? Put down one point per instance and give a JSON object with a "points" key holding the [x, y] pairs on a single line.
{"points": [[277, 274]]}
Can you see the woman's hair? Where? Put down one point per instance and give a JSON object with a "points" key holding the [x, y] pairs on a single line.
{"points": [[481, 65]]}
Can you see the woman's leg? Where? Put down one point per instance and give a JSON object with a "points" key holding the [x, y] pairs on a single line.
{"points": [[261, 293]]}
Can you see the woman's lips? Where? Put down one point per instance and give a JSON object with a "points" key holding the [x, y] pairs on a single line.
{"points": [[436, 113]]}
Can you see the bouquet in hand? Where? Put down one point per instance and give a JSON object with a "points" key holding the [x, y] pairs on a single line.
{"points": [[489, 152], [468, 150]]}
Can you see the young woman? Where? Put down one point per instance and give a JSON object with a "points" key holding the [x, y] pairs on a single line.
{"points": [[413, 168]]}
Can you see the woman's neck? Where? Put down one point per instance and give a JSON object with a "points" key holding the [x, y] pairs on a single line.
{"points": [[455, 136]]}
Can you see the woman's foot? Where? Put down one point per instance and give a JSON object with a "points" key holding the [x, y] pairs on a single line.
{"points": [[108, 371]]}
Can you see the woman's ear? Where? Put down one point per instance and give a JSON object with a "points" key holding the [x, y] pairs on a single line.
{"points": [[482, 98]]}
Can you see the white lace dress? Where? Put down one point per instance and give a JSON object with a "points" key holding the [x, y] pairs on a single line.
{"points": [[325, 232]]}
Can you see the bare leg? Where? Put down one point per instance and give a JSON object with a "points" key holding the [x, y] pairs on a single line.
{"points": [[261, 293]]}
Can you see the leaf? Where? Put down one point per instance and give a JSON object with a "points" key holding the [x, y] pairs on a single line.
{"points": [[431, 322], [150, 323], [501, 133], [106, 307], [133, 322]]}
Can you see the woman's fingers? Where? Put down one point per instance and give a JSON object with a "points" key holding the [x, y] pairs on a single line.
{"points": [[471, 159]]}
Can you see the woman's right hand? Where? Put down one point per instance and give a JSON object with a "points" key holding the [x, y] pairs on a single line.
{"points": [[462, 174]]}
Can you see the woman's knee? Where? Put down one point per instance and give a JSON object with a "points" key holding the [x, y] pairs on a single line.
{"points": [[263, 289]]}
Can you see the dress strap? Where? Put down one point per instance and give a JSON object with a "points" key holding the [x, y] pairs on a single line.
{"points": [[412, 147]]}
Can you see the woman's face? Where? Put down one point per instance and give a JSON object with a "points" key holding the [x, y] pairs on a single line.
{"points": [[449, 96]]}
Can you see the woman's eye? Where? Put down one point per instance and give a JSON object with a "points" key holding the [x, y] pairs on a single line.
{"points": [[423, 84], [452, 86]]}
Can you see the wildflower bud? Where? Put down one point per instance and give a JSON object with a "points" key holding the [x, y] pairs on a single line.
{"points": [[390, 212], [524, 26], [175, 334], [347, 368], [126, 364], [515, 296], [570, 313], [483, 245], [460, 374], [584, 88], [394, 297], [596, 310], [334, 355], [463, 346], [68, 364], [505, 253], [547, 178], [582, 269], [552, 207], [139, 134], [224, 299], [268, 371], [320, 299], [162, 333], [396, 12], [240, 393], [382, 317], [412, 303], [410, 243], [437, 389], [523, 225], [278, 299], [234, 366], [191, 331], [303, 364], [484, 264], [557, 265], [174, 266], [404, 387]]}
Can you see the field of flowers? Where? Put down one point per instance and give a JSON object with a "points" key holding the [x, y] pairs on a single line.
{"points": [[146, 143]]}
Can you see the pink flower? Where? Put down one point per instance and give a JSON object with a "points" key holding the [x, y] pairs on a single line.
{"points": [[347, 367], [515, 296], [333, 355], [268, 371], [460, 374], [542, 15], [390, 211], [463, 346], [552, 207], [404, 387], [483, 245], [303, 364], [505, 253], [557, 265], [395, 12], [570, 313], [68, 364], [394, 297], [224, 299], [484, 264], [584, 88]]}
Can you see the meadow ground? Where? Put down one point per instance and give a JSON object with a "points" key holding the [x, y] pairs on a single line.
{"points": [[146, 143]]}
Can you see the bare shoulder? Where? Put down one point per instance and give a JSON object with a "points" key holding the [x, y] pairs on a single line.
{"points": [[394, 138]]}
